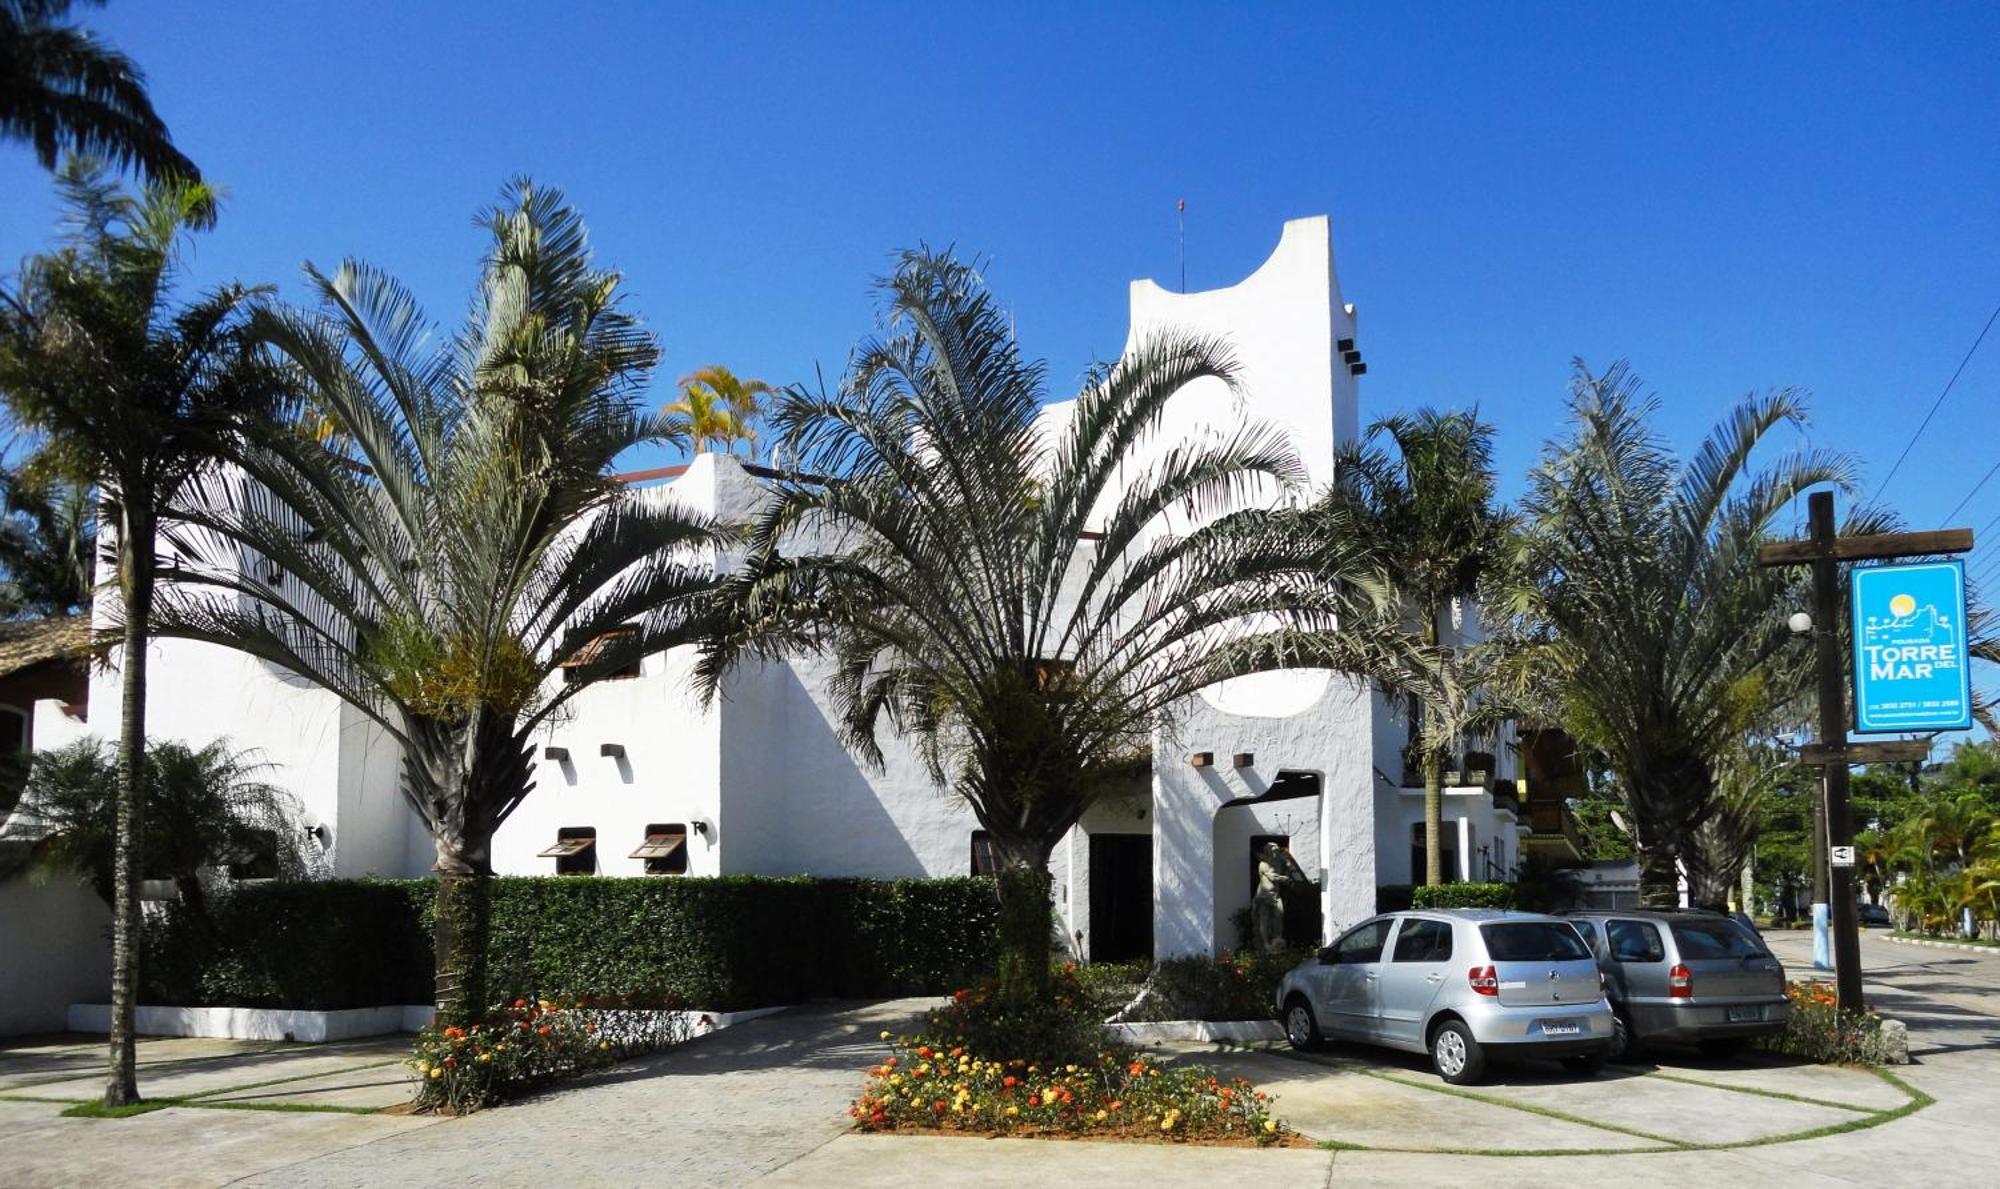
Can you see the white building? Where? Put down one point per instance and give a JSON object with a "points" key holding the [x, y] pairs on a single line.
{"points": [[639, 776]]}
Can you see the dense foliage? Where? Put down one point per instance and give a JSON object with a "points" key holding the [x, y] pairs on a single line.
{"points": [[722, 944], [1817, 1030], [531, 1043]]}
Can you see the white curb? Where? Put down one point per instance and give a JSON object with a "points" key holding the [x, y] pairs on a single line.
{"points": [[1232, 1031], [1962, 947]]}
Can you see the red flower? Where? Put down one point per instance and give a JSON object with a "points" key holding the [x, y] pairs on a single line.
{"points": [[1009, 1081]]}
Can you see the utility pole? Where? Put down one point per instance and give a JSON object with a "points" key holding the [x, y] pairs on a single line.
{"points": [[1823, 550]]}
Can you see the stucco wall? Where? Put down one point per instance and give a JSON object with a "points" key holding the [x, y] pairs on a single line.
{"points": [[55, 949]]}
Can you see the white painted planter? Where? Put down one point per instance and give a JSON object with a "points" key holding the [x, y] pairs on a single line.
{"points": [[318, 1027], [1229, 1031]]}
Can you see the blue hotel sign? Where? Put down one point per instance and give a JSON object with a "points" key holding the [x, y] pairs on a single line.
{"points": [[1911, 672]]}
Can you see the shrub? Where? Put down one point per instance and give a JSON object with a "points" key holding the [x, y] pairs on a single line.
{"points": [[1238, 986], [929, 1083], [529, 1044], [1108, 986], [1817, 1030], [725, 943], [1065, 1029], [1463, 895]]}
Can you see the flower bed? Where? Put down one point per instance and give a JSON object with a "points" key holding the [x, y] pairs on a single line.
{"points": [[1817, 1030], [532, 1043], [984, 1068], [920, 1086]]}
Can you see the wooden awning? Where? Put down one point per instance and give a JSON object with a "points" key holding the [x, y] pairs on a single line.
{"points": [[596, 646], [565, 847], [661, 845]]}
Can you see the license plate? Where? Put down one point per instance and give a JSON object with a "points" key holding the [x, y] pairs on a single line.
{"points": [[1560, 1028], [1738, 1015]]}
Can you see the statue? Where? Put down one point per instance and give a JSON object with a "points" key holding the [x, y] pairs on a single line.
{"points": [[1276, 870]]}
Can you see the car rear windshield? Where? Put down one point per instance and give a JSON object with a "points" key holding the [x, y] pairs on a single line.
{"points": [[1533, 941], [1714, 939]]}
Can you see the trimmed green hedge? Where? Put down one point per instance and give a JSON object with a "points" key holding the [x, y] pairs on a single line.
{"points": [[1463, 895], [725, 944]]}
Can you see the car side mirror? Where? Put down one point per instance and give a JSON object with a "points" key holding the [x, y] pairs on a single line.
{"points": [[1327, 957]]}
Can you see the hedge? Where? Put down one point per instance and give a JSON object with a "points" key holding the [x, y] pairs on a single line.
{"points": [[723, 943], [1463, 895]]}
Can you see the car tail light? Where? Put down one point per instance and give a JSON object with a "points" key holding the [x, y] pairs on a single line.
{"points": [[1680, 983], [1484, 979]]}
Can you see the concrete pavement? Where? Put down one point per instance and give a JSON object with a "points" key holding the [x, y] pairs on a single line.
{"points": [[767, 1100]]}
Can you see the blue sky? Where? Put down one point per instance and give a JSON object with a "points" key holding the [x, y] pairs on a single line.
{"points": [[1731, 197]]}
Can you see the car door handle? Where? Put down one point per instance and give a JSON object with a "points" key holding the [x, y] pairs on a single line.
{"points": [[1372, 976], [1434, 978]]}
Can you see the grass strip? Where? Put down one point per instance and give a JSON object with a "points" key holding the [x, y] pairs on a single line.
{"points": [[97, 1110], [297, 1077], [1547, 1112], [1761, 1092]]}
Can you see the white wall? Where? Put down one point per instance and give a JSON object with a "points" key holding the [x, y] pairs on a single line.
{"points": [[55, 949], [1331, 736]]}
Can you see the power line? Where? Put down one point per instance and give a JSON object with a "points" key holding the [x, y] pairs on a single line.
{"points": [[1934, 404], [1991, 471]]}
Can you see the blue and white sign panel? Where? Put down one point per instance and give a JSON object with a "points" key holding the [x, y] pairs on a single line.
{"points": [[1911, 671]]}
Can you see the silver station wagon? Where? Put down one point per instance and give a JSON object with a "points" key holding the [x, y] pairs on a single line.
{"points": [[1464, 985], [1685, 976]]}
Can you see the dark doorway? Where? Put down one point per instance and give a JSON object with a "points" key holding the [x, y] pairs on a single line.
{"points": [[1121, 897]]}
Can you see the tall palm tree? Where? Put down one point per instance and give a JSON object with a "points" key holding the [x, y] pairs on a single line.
{"points": [[719, 407], [1722, 841], [134, 396], [63, 89], [1005, 594], [1425, 518], [458, 536], [1660, 638]]}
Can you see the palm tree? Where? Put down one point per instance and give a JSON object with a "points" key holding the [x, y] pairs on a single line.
{"points": [[205, 807], [1425, 518], [134, 397], [48, 542], [719, 407], [458, 538], [1003, 593], [1722, 842], [1660, 639], [63, 89]]}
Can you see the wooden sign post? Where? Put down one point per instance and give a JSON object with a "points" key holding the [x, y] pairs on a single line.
{"points": [[1824, 550]]}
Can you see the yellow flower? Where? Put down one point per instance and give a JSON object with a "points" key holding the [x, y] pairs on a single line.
{"points": [[423, 1067], [485, 1058], [436, 1073], [885, 1034], [1100, 1116], [1013, 1110], [1270, 1127]]}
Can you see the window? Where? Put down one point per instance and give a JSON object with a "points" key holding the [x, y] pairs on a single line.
{"points": [[1364, 944], [1714, 939], [255, 855], [1533, 941], [1448, 852], [575, 851], [985, 856], [1423, 941], [13, 731], [1588, 931], [618, 640], [665, 849], [1634, 941]]}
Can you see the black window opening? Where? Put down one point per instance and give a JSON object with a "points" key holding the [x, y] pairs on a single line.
{"points": [[1533, 941], [575, 851], [665, 849], [255, 855], [985, 855], [1634, 941], [619, 639], [1447, 852]]}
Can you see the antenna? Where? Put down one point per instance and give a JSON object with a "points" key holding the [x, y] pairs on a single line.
{"points": [[1183, 223]]}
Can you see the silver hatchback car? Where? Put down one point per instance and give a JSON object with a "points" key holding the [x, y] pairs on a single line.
{"points": [[1685, 976], [1463, 985]]}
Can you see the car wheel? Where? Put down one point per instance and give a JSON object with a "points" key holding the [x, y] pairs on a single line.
{"points": [[1730, 1046], [1588, 1064], [1455, 1055], [1624, 1041], [1301, 1029]]}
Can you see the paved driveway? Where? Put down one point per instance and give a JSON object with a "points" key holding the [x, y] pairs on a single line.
{"points": [[765, 1101]]}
